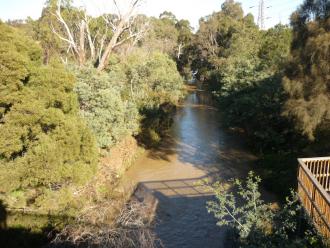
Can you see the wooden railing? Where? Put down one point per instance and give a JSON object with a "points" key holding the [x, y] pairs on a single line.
{"points": [[313, 191]]}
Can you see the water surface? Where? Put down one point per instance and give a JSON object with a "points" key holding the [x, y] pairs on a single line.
{"points": [[197, 148]]}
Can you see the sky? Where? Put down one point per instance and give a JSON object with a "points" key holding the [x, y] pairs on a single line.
{"points": [[276, 11]]}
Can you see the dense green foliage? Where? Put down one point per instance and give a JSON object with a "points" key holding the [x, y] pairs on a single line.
{"points": [[307, 79], [121, 77], [109, 116], [256, 105], [257, 224], [114, 102], [227, 45], [171, 36], [45, 146], [153, 79], [54, 117], [155, 86]]}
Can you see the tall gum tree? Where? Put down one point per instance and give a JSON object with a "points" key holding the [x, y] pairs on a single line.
{"points": [[113, 31]]}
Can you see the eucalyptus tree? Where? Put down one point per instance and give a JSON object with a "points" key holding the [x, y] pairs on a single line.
{"points": [[109, 33]]}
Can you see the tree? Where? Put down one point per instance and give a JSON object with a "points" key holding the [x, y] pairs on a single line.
{"points": [[227, 46], [275, 48], [154, 81], [258, 108], [121, 26], [307, 79], [169, 16], [232, 9], [42, 32], [169, 35], [163, 36], [114, 102], [184, 37]]}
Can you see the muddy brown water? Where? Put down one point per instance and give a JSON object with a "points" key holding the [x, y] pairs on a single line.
{"points": [[196, 148]]}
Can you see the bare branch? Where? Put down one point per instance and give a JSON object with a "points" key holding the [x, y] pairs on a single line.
{"points": [[109, 22], [60, 18], [77, 33], [91, 229], [91, 41], [59, 36], [118, 10]]}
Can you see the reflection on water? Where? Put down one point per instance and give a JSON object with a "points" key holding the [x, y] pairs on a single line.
{"points": [[197, 131], [196, 148]]}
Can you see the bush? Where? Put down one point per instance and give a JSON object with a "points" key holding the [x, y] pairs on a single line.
{"points": [[258, 111], [109, 115], [257, 224], [279, 172], [43, 142]]}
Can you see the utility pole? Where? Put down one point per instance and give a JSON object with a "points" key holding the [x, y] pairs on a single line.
{"points": [[261, 14]]}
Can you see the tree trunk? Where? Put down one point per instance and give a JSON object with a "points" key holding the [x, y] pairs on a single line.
{"points": [[81, 49], [179, 51], [110, 47]]}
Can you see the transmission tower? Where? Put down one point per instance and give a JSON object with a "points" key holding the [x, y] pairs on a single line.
{"points": [[261, 14]]}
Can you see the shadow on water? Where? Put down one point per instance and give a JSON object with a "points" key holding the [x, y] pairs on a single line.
{"points": [[181, 216]]}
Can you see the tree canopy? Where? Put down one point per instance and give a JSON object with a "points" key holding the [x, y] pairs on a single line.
{"points": [[307, 81]]}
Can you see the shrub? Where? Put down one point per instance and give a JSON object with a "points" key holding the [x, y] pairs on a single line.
{"points": [[43, 142], [257, 224], [252, 214], [109, 115], [155, 85]]}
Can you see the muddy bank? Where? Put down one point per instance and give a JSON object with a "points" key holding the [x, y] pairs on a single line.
{"points": [[121, 156], [197, 147]]}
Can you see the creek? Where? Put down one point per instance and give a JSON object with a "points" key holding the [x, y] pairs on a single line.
{"points": [[197, 147]]}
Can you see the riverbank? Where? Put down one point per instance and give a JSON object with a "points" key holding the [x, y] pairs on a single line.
{"points": [[33, 228], [25, 228]]}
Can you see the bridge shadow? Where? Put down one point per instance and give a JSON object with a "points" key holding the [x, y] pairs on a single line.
{"points": [[181, 217]]}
